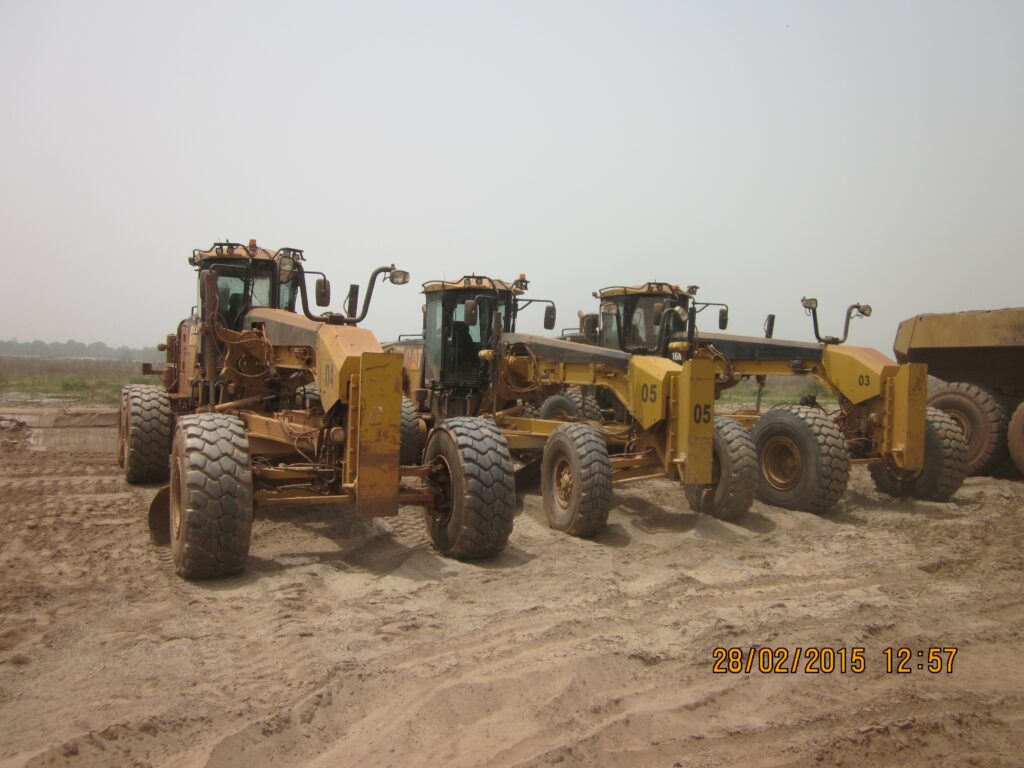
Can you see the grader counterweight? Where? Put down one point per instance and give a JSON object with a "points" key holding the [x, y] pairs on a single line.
{"points": [[263, 404]]}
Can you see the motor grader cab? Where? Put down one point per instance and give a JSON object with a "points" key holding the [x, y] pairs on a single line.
{"points": [[471, 359], [460, 319], [264, 401], [804, 454]]}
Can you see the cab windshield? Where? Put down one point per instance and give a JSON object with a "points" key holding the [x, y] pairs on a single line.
{"points": [[451, 344], [636, 315]]}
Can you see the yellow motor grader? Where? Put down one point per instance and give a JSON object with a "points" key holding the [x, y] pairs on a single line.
{"points": [[803, 452], [471, 361], [263, 401]]}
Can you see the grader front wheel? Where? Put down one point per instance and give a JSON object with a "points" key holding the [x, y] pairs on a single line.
{"points": [[474, 513], [144, 433], [945, 463], [802, 459], [211, 502], [576, 479], [733, 474]]}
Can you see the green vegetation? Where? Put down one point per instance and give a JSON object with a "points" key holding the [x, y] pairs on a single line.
{"points": [[78, 382], [778, 389]]}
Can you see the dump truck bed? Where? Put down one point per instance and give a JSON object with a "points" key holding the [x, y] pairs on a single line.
{"points": [[982, 346]]}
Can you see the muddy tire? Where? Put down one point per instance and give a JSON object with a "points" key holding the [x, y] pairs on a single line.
{"points": [[558, 407], [586, 405], [802, 459], [576, 480], [982, 417], [144, 433], [734, 474], [211, 503], [1015, 437], [474, 518], [945, 463], [411, 441]]}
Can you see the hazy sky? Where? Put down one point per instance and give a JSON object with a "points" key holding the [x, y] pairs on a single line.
{"points": [[764, 151]]}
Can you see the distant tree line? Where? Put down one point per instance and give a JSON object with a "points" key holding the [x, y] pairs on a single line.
{"points": [[72, 348]]}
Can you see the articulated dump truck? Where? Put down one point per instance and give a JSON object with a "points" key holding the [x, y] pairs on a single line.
{"points": [[980, 356], [264, 402], [803, 451]]}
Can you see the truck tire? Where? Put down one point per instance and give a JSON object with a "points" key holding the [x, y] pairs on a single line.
{"points": [[802, 459], [144, 433], [473, 518], [1015, 437], [586, 405], [945, 463], [558, 407], [211, 503], [576, 480], [411, 441], [980, 414], [734, 474]]}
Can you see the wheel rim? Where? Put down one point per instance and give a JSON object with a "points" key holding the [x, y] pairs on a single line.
{"points": [[177, 495], [561, 482], [963, 422], [122, 432], [444, 506], [781, 464]]}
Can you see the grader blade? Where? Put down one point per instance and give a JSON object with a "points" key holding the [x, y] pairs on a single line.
{"points": [[160, 517]]}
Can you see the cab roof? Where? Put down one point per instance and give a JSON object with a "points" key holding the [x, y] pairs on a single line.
{"points": [[647, 289], [228, 251], [475, 283]]}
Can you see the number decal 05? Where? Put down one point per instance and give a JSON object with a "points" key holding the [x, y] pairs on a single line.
{"points": [[649, 393], [701, 414]]}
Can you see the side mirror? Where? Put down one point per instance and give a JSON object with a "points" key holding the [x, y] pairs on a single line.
{"points": [[323, 292], [769, 326], [723, 318], [352, 301], [549, 317], [659, 310], [469, 312]]}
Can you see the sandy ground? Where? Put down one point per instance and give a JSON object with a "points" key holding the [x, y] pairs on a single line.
{"points": [[347, 643]]}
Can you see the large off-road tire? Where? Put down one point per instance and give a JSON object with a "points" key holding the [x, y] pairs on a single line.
{"points": [[558, 407], [411, 441], [586, 405], [945, 463], [144, 433], [1015, 437], [473, 517], [733, 474], [802, 459], [576, 480], [211, 503], [982, 419]]}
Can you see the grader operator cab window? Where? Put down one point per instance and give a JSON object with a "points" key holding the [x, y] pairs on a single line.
{"points": [[240, 288], [452, 343], [640, 318], [287, 283]]}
